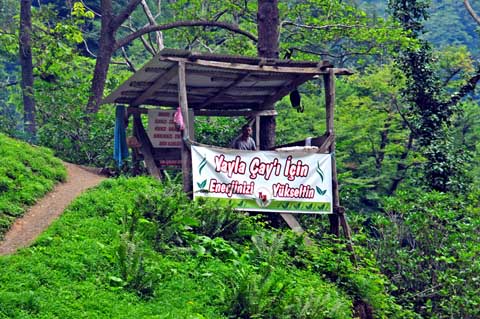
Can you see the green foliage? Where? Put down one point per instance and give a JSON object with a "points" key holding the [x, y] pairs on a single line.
{"points": [[427, 245], [217, 131], [26, 174], [98, 260], [429, 112]]}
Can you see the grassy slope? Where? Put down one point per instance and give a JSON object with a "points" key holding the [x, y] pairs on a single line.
{"points": [[26, 174], [72, 271]]}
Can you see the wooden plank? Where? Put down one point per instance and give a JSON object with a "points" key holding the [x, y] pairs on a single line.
{"points": [[161, 81], [292, 222], [224, 90], [220, 112], [146, 147], [320, 69], [299, 80], [186, 155], [257, 131]]}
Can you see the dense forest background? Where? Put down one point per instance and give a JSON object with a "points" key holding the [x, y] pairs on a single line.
{"points": [[407, 122]]}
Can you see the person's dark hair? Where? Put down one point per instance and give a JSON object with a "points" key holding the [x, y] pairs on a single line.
{"points": [[246, 126]]}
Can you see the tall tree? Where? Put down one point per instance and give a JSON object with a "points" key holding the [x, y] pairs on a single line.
{"points": [[429, 110], [108, 43], [268, 47], [25, 55]]}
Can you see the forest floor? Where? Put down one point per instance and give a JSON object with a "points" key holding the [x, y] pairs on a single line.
{"points": [[38, 217]]}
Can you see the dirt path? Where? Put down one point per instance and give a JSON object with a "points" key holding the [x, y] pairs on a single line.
{"points": [[25, 229]]}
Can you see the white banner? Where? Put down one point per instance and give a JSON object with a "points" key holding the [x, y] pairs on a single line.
{"points": [[297, 182], [161, 129]]}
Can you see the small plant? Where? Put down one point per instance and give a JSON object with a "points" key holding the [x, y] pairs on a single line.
{"points": [[131, 258]]}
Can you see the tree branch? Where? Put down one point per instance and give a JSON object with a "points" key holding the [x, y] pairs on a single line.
{"points": [[147, 46], [89, 8], [12, 83], [322, 27], [464, 90], [151, 20], [122, 16], [88, 49], [224, 25], [128, 61], [471, 11], [451, 76]]}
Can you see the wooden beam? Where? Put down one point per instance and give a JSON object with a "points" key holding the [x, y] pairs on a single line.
{"points": [[224, 90], [299, 80], [186, 155], [163, 79], [219, 112], [292, 222], [146, 146]]}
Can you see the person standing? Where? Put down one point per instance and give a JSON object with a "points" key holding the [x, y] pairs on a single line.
{"points": [[245, 141]]}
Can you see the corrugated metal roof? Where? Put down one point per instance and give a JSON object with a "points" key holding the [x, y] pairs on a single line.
{"points": [[214, 81]]}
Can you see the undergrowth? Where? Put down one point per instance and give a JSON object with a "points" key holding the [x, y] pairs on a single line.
{"points": [[137, 248], [26, 174]]}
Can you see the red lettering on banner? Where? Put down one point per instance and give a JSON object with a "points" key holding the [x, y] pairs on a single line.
{"points": [[293, 170], [284, 190], [237, 166], [234, 187], [257, 167], [160, 121]]}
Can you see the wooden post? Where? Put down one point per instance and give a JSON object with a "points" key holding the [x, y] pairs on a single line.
{"points": [[186, 155], [338, 216], [329, 84]]}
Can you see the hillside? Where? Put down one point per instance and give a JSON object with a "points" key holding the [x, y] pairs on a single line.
{"points": [[26, 174], [117, 254]]}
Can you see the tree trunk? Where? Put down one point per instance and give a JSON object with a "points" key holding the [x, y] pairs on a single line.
{"points": [[267, 26], [25, 54], [105, 52], [401, 166], [100, 75], [267, 47]]}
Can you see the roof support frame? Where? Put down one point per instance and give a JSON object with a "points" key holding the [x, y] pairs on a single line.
{"points": [[159, 83]]}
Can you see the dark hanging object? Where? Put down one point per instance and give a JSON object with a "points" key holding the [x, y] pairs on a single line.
{"points": [[295, 100]]}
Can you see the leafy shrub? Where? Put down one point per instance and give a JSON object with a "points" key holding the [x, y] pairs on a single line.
{"points": [[279, 294], [428, 247], [78, 141], [131, 258]]}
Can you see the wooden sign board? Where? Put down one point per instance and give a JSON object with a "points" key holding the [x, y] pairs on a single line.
{"points": [[162, 130]]}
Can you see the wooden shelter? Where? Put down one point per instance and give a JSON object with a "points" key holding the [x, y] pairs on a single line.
{"points": [[222, 85]]}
